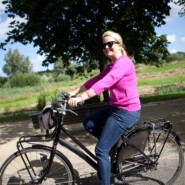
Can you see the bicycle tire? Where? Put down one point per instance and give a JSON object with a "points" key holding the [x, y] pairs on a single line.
{"points": [[168, 167], [13, 171]]}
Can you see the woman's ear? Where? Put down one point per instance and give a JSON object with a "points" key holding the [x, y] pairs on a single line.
{"points": [[120, 45]]}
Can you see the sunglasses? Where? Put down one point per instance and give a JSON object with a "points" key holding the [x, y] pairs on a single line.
{"points": [[109, 44]]}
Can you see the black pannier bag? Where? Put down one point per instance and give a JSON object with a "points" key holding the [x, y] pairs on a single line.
{"points": [[48, 117]]}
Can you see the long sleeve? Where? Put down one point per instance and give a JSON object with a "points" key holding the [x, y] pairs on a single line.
{"points": [[120, 68], [92, 81], [120, 79]]}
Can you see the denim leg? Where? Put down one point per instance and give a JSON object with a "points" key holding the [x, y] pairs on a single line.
{"points": [[110, 135], [115, 126], [94, 123]]}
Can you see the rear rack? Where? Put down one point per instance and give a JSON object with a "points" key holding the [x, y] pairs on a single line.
{"points": [[160, 122]]}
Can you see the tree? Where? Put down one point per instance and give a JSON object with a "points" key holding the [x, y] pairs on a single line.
{"points": [[73, 30], [16, 63], [179, 56], [59, 67], [157, 51], [182, 4]]}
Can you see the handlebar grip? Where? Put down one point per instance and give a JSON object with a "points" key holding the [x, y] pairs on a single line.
{"points": [[79, 104]]}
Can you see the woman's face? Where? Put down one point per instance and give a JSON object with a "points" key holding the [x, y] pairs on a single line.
{"points": [[111, 48]]}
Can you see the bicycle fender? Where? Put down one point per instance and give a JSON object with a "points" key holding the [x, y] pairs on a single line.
{"points": [[177, 137]]}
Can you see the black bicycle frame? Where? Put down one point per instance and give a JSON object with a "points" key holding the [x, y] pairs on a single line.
{"points": [[87, 156], [91, 161]]}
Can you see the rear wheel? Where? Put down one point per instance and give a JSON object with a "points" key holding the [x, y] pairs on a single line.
{"points": [[13, 171], [167, 168]]}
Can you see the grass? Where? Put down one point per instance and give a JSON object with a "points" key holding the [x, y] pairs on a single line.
{"points": [[170, 89], [162, 81], [154, 98], [168, 81], [17, 116], [168, 66]]}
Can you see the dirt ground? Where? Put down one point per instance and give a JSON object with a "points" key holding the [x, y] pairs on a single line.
{"points": [[173, 110]]}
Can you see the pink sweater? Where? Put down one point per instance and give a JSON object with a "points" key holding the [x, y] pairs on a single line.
{"points": [[120, 78]]}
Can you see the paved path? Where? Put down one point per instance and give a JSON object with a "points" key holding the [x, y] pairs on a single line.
{"points": [[173, 110]]}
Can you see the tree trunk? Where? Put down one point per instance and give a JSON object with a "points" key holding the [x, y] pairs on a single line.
{"points": [[101, 64]]}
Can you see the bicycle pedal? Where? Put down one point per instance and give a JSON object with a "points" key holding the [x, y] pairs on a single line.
{"points": [[117, 181]]}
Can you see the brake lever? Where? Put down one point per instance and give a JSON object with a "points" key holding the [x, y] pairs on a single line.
{"points": [[65, 110], [72, 112]]}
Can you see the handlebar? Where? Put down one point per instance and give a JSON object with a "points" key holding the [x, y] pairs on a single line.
{"points": [[60, 102]]}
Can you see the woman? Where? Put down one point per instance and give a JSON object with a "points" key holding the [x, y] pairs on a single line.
{"points": [[124, 111]]}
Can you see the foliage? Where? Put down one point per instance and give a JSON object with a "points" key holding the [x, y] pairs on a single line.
{"points": [[73, 30], [41, 101], [71, 69], [44, 78], [140, 68], [179, 56], [63, 77], [181, 3], [3, 80], [22, 80], [161, 81], [19, 90], [61, 70], [16, 63], [169, 89], [59, 67], [157, 53], [14, 100]]}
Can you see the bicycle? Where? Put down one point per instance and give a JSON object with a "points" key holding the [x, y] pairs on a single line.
{"points": [[147, 154]]}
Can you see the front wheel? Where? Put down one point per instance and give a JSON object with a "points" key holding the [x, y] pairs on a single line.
{"points": [[13, 171], [167, 168]]}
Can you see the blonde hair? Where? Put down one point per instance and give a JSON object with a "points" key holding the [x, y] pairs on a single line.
{"points": [[117, 37]]}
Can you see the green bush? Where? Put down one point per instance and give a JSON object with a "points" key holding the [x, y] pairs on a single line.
{"points": [[24, 79], [7, 84], [45, 78], [41, 101], [168, 89], [3, 80], [180, 56], [63, 77]]}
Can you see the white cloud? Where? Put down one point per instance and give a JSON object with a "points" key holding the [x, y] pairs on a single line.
{"points": [[37, 64], [173, 51], [4, 26], [37, 60], [173, 12], [183, 39], [171, 38], [1, 72], [2, 6]]}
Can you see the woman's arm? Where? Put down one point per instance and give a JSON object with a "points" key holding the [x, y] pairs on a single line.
{"points": [[77, 91], [84, 96]]}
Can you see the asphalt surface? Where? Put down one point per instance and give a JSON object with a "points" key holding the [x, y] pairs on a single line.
{"points": [[173, 110]]}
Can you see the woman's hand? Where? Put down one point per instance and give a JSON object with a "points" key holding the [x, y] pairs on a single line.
{"points": [[71, 94], [73, 102]]}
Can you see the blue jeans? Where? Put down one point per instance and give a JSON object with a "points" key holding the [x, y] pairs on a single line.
{"points": [[108, 126]]}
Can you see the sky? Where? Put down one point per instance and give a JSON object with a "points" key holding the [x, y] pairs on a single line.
{"points": [[174, 29]]}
